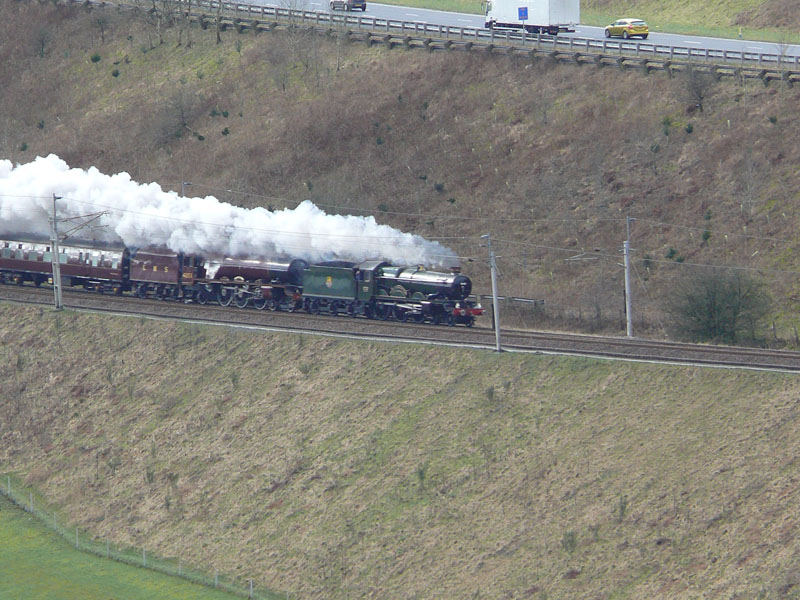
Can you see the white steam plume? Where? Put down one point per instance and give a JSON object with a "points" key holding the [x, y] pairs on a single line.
{"points": [[144, 215]]}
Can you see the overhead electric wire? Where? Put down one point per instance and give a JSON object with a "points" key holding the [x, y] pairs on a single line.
{"points": [[715, 232], [352, 237]]}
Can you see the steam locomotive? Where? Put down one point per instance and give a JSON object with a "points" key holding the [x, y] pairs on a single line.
{"points": [[373, 289]]}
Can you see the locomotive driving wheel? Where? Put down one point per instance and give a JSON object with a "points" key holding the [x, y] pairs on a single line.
{"points": [[224, 296], [260, 303], [241, 299]]}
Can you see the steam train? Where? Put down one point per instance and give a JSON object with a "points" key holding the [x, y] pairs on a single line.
{"points": [[373, 289]]}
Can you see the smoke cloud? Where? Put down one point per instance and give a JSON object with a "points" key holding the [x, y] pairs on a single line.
{"points": [[144, 215]]}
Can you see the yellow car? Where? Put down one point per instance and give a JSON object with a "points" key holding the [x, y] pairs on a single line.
{"points": [[628, 28]]}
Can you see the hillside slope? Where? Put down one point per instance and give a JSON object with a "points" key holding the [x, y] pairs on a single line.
{"points": [[548, 158], [335, 469]]}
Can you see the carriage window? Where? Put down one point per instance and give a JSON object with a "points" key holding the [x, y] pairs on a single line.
{"points": [[367, 276], [47, 256], [114, 263], [6, 253], [20, 254], [94, 261], [62, 258]]}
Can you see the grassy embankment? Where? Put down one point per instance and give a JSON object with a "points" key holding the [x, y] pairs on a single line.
{"points": [[336, 469]]}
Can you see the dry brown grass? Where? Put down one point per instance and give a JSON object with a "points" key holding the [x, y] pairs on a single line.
{"points": [[562, 153]]}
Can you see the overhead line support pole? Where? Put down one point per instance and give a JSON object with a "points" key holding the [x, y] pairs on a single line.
{"points": [[55, 256], [627, 252], [495, 306]]}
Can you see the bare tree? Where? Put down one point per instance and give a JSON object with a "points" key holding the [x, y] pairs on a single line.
{"points": [[180, 111], [101, 22], [43, 38], [184, 22], [748, 184], [699, 85], [219, 21], [302, 41]]}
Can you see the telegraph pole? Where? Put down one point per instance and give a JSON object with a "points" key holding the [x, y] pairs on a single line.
{"points": [[627, 251], [495, 306], [55, 254]]}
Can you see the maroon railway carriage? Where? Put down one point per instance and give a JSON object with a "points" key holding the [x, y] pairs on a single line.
{"points": [[100, 269]]}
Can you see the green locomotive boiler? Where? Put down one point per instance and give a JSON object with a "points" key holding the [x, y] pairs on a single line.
{"points": [[378, 290]]}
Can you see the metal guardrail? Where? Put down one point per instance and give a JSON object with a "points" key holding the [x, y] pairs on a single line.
{"points": [[244, 15], [495, 36]]}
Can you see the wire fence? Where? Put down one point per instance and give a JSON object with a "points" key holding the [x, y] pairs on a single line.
{"points": [[28, 500]]}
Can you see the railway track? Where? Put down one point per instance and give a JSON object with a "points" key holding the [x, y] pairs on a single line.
{"points": [[604, 347]]}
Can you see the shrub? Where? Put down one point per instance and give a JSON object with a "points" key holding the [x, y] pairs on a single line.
{"points": [[95, 58], [718, 304], [689, 128], [115, 73], [773, 120], [622, 507], [40, 125], [569, 541]]}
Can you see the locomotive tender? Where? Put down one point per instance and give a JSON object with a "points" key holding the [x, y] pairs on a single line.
{"points": [[373, 289]]}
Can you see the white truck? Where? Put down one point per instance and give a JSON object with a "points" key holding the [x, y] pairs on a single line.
{"points": [[534, 16]]}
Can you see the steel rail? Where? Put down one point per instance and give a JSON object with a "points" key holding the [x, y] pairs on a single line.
{"points": [[600, 347]]}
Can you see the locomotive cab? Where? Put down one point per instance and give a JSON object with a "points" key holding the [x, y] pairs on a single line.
{"points": [[366, 276], [192, 269]]}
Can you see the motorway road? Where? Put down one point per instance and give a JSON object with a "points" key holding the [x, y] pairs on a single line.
{"points": [[421, 15]]}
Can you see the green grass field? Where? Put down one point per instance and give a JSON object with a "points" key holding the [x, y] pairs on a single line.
{"points": [[35, 563]]}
